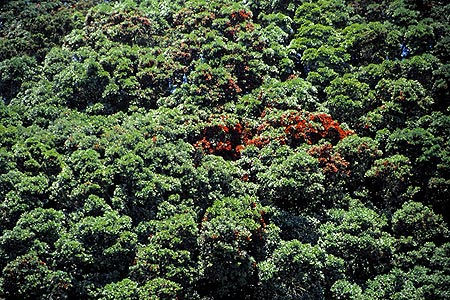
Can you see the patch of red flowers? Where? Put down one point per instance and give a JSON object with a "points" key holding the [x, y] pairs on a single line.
{"points": [[311, 128], [223, 140], [330, 161], [229, 140], [241, 15]]}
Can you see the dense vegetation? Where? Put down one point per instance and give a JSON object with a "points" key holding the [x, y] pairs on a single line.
{"points": [[256, 149]]}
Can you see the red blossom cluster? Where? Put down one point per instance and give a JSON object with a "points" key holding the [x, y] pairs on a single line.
{"points": [[331, 162], [311, 128], [232, 86], [223, 140], [241, 15], [238, 21], [228, 141], [130, 21]]}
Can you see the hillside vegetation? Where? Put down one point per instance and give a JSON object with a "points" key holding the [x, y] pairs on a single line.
{"points": [[209, 150]]}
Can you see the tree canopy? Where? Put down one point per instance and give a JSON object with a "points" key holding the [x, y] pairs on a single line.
{"points": [[209, 150]]}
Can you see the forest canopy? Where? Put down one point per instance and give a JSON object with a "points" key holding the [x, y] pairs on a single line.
{"points": [[209, 150]]}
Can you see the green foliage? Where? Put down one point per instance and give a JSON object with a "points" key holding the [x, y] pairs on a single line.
{"points": [[34, 27], [390, 180], [296, 270], [360, 153], [420, 222], [358, 236], [285, 183], [346, 98], [232, 240], [224, 149], [29, 277], [125, 289], [15, 72], [166, 258]]}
